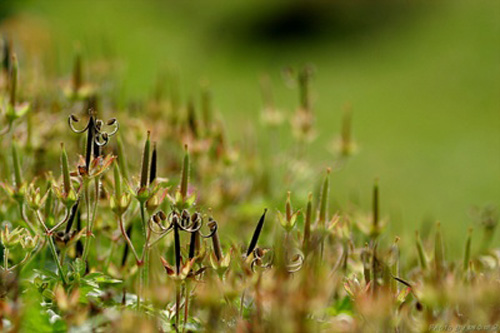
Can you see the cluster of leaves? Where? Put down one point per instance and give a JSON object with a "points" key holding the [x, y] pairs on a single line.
{"points": [[97, 248]]}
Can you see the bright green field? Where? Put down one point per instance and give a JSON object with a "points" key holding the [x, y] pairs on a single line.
{"points": [[424, 85]]}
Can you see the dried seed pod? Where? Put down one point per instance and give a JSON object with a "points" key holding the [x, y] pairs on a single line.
{"points": [[145, 162], [323, 206], [65, 170], [111, 122], [162, 215], [256, 234], [185, 174], [153, 168], [307, 223]]}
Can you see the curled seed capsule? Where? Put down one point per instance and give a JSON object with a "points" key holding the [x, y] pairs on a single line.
{"points": [[185, 215], [162, 215], [74, 118], [105, 136], [111, 122], [156, 219], [195, 217], [98, 124]]}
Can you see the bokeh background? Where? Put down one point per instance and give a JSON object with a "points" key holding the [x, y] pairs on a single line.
{"points": [[422, 78]]}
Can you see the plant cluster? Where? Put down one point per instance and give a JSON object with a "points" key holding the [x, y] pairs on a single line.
{"points": [[103, 242]]}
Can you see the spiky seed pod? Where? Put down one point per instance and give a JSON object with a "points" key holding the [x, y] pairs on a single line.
{"points": [[177, 244], [154, 162], [118, 181], [307, 223], [185, 174], [288, 207], [90, 141], [18, 179], [421, 253], [65, 170], [323, 206], [72, 215], [212, 224], [13, 81], [439, 252], [145, 162], [122, 160], [256, 234], [468, 244]]}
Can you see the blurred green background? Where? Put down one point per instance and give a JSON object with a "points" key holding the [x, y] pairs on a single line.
{"points": [[423, 79]]}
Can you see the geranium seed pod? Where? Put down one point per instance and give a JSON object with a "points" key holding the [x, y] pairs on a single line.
{"points": [[13, 81], [145, 162], [111, 122], [65, 170], [256, 234], [118, 181], [74, 118], [162, 215], [307, 223], [153, 168], [98, 124], [323, 207], [156, 219], [185, 174], [18, 179]]}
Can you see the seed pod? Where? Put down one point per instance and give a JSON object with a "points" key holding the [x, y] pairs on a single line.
{"points": [[118, 181], [467, 251], [256, 234], [121, 158], [212, 224], [421, 253], [162, 215], [145, 162], [152, 174], [18, 179], [307, 223], [65, 170], [74, 118], [323, 208], [288, 207], [90, 141], [111, 122], [185, 174], [156, 219], [13, 81], [177, 244]]}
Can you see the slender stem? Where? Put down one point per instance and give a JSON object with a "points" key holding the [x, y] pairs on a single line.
{"points": [[6, 258], [56, 259], [127, 239], [25, 218], [66, 218], [90, 217]]}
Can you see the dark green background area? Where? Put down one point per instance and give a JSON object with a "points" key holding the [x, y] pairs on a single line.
{"points": [[423, 80]]}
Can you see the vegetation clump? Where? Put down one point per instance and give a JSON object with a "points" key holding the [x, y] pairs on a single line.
{"points": [[164, 224]]}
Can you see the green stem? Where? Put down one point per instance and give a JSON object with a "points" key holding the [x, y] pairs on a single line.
{"points": [[56, 259], [6, 259]]}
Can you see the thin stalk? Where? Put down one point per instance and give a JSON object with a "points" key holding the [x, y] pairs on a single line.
{"points": [[6, 258], [52, 247]]}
